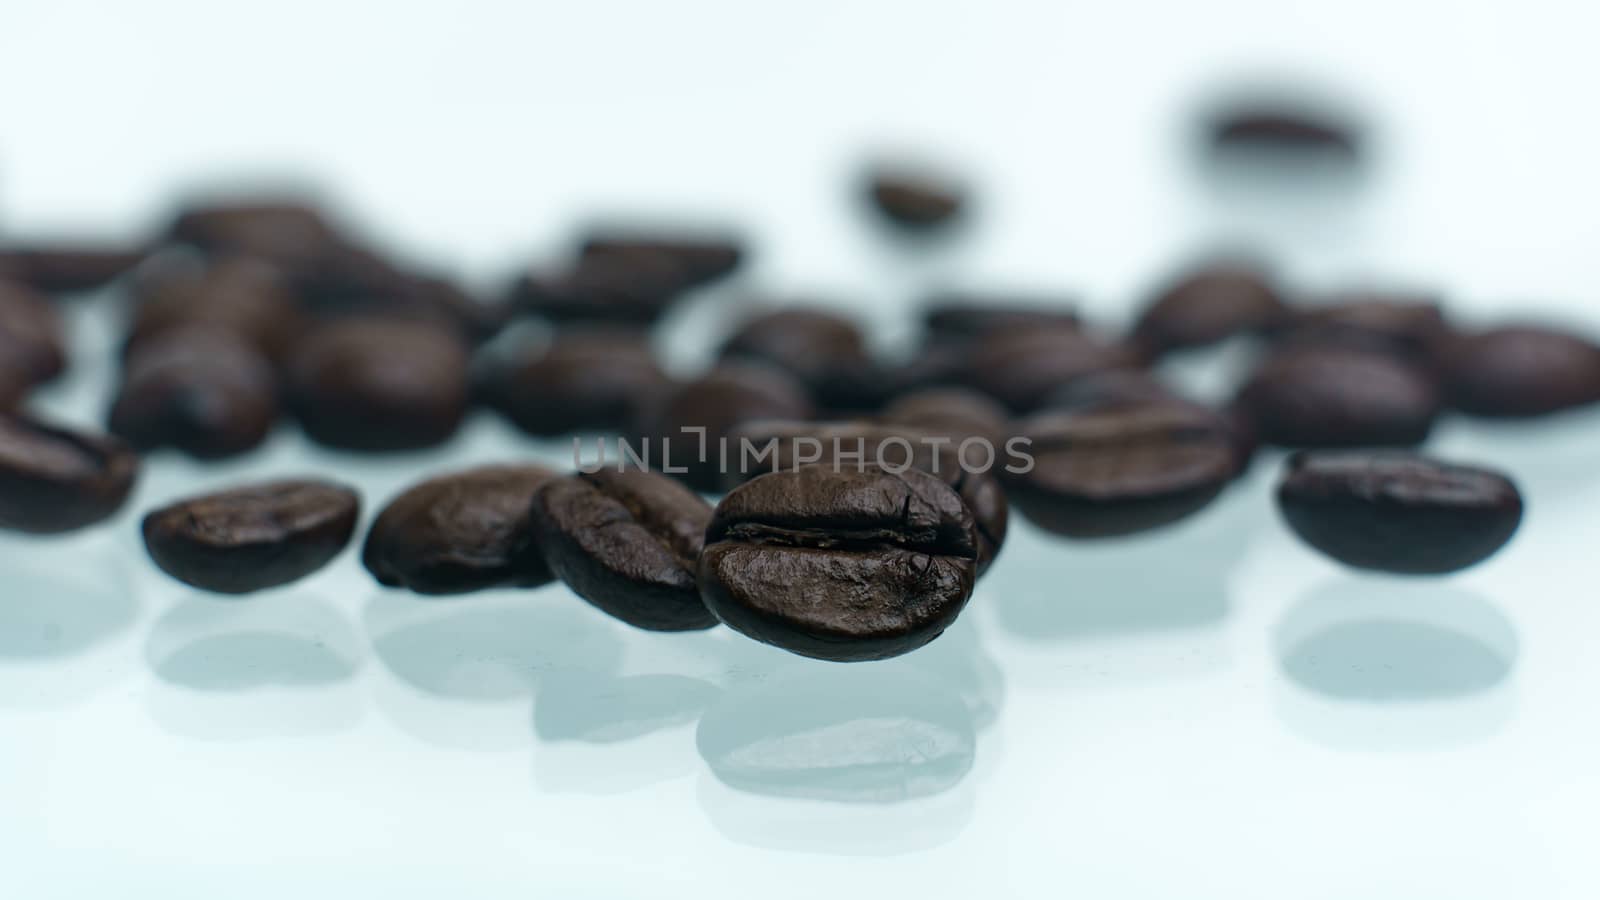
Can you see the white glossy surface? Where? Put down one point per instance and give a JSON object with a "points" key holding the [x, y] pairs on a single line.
{"points": [[1207, 712]]}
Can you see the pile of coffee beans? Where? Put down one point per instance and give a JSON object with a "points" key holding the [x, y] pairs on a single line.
{"points": [[858, 496]]}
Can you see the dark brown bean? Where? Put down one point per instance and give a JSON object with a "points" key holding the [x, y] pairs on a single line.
{"points": [[826, 351], [462, 532], [287, 230], [1283, 129], [1411, 327], [379, 384], [66, 268], [842, 565], [1339, 397], [622, 288], [1208, 305], [246, 296], [205, 391], [1103, 390], [955, 412], [627, 542], [31, 339], [727, 396], [963, 317], [1520, 371], [914, 200], [1022, 368], [583, 381], [701, 257], [251, 538], [55, 479], [1123, 469], [1398, 512]]}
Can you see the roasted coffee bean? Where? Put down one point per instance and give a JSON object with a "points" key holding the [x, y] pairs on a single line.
{"points": [[634, 288], [703, 258], [1411, 327], [761, 447], [727, 396], [583, 381], [251, 538], [461, 532], [55, 479], [1284, 130], [1113, 388], [379, 384], [936, 363], [827, 352], [1520, 371], [352, 281], [840, 564], [965, 317], [1398, 512], [203, 390], [1023, 368], [1209, 305], [66, 268], [286, 230], [627, 542], [31, 339], [1339, 397], [1123, 469], [914, 200], [245, 296], [955, 412], [14, 386]]}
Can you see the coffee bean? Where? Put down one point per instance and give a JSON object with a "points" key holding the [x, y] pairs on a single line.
{"points": [[584, 381], [841, 565], [1520, 371], [937, 363], [248, 297], [1113, 388], [55, 479], [379, 384], [287, 230], [205, 391], [1123, 469], [1284, 130], [1022, 368], [914, 200], [66, 268], [825, 351], [955, 412], [1398, 512], [964, 317], [251, 538], [462, 532], [1339, 397], [727, 396], [1410, 327], [1209, 305], [702, 258], [636, 288], [353, 281], [627, 542], [31, 338], [758, 448]]}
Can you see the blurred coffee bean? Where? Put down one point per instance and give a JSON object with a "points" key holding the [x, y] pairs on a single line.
{"points": [[203, 390], [1108, 389], [702, 258], [1413, 327], [14, 386], [378, 384], [1519, 371], [288, 231], [826, 351], [840, 564], [1339, 397], [247, 297], [956, 412], [627, 542], [1021, 368], [963, 317], [613, 287], [351, 281], [461, 532], [32, 342], [971, 469], [599, 381], [1282, 129], [1122, 470], [1209, 305], [55, 479], [66, 268], [914, 200], [727, 396], [252, 538], [933, 364], [1398, 512]]}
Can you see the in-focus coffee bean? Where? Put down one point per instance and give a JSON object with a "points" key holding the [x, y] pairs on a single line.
{"points": [[379, 384], [914, 200], [66, 268], [1123, 469], [688, 431], [824, 350], [1398, 512], [627, 542], [1521, 371], [1330, 396], [1021, 368], [600, 381], [841, 565], [461, 532], [254, 537], [32, 342], [55, 479], [202, 390], [1208, 305]]}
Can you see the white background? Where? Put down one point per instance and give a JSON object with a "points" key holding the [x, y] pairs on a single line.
{"points": [[1207, 712]]}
